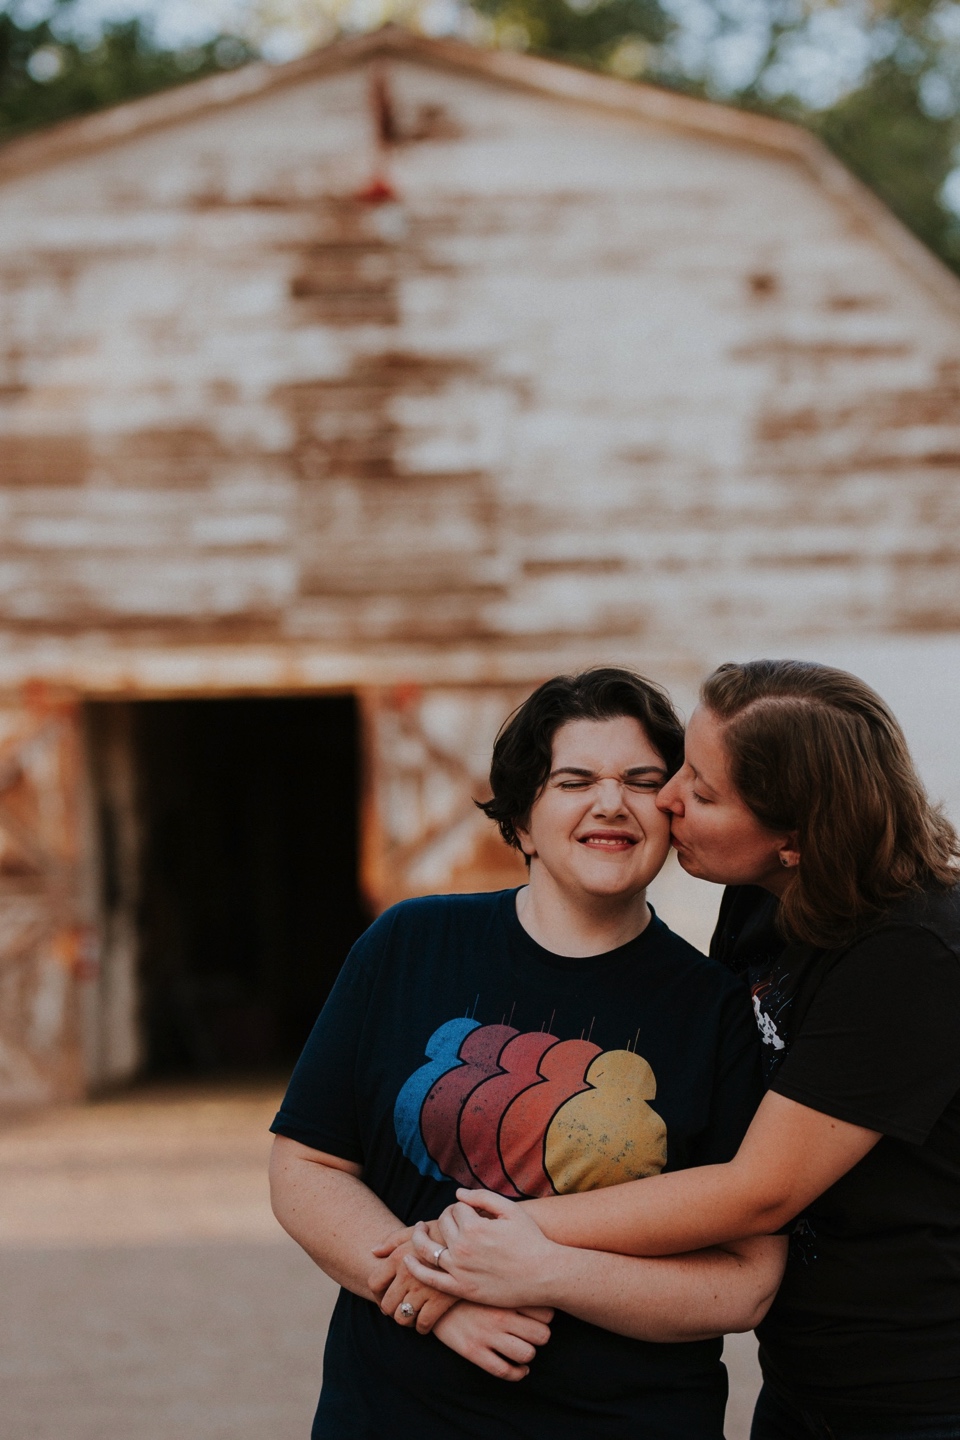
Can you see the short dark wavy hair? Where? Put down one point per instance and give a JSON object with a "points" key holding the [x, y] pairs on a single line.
{"points": [[523, 750]]}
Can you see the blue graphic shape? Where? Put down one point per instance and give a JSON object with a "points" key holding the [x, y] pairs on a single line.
{"points": [[443, 1052]]}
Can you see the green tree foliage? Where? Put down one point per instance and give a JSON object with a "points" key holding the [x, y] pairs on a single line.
{"points": [[48, 74], [883, 134], [590, 33]]}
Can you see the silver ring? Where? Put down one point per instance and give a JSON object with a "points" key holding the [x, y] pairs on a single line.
{"points": [[407, 1310], [437, 1253]]}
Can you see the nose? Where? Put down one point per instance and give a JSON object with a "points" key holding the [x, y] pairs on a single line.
{"points": [[669, 799], [608, 799]]}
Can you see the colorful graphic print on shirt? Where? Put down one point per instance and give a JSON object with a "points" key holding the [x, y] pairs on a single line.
{"points": [[527, 1114], [773, 998]]}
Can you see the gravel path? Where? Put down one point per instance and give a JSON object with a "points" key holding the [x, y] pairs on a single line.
{"points": [[147, 1292]]}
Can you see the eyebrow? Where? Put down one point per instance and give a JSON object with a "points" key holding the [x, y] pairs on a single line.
{"points": [[588, 774]]}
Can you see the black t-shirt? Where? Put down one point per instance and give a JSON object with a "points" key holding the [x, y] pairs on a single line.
{"points": [[455, 1049], [868, 1315]]}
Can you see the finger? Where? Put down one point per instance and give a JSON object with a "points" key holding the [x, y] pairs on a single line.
{"points": [[528, 1330], [425, 1239], [496, 1365], [436, 1279], [514, 1348], [381, 1278], [433, 1310], [486, 1202], [396, 1293], [391, 1242], [543, 1313], [449, 1225], [425, 1248]]}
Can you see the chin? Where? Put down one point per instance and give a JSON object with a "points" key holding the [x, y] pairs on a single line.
{"points": [[689, 864], [612, 887]]}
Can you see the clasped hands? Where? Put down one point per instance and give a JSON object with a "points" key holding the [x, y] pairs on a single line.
{"points": [[481, 1298]]}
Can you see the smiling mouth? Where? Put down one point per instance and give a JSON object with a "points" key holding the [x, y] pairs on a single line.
{"points": [[608, 841]]}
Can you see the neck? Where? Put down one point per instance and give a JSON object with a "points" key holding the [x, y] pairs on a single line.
{"points": [[579, 926], [776, 882]]}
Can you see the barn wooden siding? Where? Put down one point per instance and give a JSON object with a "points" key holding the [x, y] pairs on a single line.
{"points": [[426, 373], [48, 940], [590, 382]]}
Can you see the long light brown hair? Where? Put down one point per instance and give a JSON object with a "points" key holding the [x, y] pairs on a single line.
{"points": [[815, 751]]}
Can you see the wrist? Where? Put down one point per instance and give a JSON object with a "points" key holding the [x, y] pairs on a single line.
{"points": [[559, 1276], [554, 1273]]}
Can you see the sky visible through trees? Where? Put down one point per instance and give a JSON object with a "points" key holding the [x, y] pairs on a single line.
{"points": [[879, 80]]}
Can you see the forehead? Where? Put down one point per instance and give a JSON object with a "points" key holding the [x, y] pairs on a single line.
{"points": [[704, 744], [617, 744]]}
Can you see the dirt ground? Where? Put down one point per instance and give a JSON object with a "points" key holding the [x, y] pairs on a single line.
{"points": [[145, 1288]]}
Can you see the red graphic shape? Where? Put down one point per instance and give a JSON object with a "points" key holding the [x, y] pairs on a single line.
{"points": [[484, 1108], [440, 1112], [523, 1129]]}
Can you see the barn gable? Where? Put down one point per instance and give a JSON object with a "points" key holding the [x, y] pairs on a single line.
{"points": [[590, 371]]}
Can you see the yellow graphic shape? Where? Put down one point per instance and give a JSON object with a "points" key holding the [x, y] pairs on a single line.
{"points": [[609, 1133]]}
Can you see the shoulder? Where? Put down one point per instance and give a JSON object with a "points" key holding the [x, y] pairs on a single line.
{"points": [[913, 951], [417, 928], [935, 911], [924, 924], [706, 976], [434, 914], [445, 909]]}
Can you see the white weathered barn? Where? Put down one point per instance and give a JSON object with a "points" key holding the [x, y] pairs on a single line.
{"points": [[342, 401]]}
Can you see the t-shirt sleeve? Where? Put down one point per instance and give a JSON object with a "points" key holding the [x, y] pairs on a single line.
{"points": [[738, 1081], [878, 1044], [320, 1106]]}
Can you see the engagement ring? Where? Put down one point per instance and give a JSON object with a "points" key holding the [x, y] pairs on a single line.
{"points": [[407, 1309]]}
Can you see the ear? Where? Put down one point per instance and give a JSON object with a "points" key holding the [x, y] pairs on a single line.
{"points": [[789, 854], [527, 846]]}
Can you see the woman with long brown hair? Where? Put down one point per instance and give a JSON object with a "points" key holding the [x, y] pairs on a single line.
{"points": [[843, 913]]}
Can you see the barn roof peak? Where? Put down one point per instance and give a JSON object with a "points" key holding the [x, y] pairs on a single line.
{"points": [[550, 78]]}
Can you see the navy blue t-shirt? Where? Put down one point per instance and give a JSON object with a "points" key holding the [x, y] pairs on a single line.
{"points": [[456, 1050]]}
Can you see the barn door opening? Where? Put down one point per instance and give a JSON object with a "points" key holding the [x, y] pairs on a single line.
{"points": [[246, 895]]}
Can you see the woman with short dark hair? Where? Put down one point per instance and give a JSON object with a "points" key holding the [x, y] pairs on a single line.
{"points": [[523, 750], [843, 912], [540, 1041]]}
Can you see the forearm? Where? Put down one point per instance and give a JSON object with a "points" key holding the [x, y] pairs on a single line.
{"points": [[685, 1297], [330, 1212], [493, 1253], [789, 1156], [662, 1215]]}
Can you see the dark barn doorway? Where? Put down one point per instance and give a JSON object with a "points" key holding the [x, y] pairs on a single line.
{"points": [[248, 895]]}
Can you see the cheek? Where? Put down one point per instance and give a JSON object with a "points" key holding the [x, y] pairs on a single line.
{"points": [[655, 823], [752, 852], [712, 829]]}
